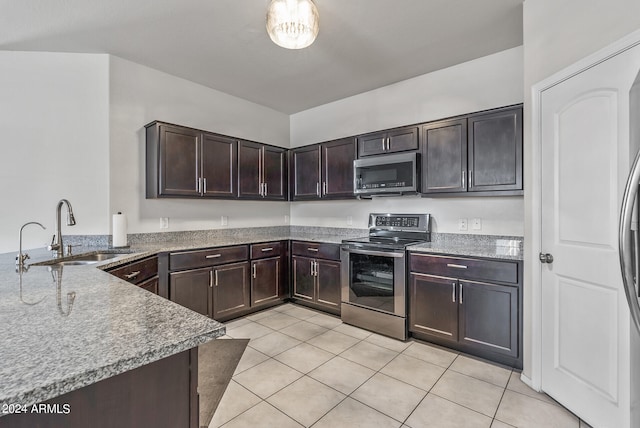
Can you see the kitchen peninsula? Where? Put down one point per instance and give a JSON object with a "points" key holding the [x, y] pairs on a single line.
{"points": [[112, 354]]}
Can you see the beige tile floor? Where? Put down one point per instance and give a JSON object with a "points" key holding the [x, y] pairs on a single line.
{"points": [[306, 368]]}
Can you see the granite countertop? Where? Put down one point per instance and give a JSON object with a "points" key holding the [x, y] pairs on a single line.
{"points": [[69, 327]]}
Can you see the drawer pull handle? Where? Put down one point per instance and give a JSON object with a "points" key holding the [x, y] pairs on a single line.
{"points": [[254, 271], [213, 256], [264, 250], [315, 250], [453, 292], [132, 275], [460, 293], [451, 265]]}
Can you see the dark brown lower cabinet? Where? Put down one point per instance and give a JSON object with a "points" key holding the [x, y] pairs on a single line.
{"points": [[478, 317], [162, 394], [317, 282], [266, 279], [192, 289], [230, 290], [434, 309]]}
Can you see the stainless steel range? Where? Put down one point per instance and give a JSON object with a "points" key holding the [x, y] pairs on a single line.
{"points": [[373, 276]]}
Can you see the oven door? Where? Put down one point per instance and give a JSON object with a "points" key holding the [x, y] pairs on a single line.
{"points": [[374, 279]]}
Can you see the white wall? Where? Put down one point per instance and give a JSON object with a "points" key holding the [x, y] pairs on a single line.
{"points": [[140, 95], [54, 119], [484, 83], [556, 35]]}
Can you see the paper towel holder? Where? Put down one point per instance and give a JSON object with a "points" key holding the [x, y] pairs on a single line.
{"points": [[119, 232]]}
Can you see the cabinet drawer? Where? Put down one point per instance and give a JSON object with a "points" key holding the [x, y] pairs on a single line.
{"points": [[316, 250], [269, 249], [138, 271], [465, 268], [208, 257], [150, 284]]}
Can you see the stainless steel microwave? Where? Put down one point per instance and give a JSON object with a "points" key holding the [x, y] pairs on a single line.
{"points": [[387, 174]]}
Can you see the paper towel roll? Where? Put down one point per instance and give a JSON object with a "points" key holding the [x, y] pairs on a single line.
{"points": [[119, 230]]}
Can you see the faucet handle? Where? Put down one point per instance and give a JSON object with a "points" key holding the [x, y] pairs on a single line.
{"points": [[53, 246], [70, 248]]}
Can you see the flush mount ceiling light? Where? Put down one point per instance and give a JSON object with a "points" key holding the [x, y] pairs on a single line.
{"points": [[292, 24]]}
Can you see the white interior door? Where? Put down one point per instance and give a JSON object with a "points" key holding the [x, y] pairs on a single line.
{"points": [[585, 321]]}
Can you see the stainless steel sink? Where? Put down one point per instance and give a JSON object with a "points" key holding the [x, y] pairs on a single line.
{"points": [[83, 259]]}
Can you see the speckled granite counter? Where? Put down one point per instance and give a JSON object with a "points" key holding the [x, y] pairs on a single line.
{"points": [[494, 247], [52, 345], [70, 327]]}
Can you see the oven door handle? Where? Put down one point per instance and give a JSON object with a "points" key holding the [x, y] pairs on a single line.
{"points": [[372, 252]]}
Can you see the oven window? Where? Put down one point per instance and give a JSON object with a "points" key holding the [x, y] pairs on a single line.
{"points": [[371, 282]]}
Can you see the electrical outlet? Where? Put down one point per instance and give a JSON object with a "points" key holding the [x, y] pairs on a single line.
{"points": [[286, 219], [462, 224], [164, 222], [349, 220], [224, 220], [476, 224]]}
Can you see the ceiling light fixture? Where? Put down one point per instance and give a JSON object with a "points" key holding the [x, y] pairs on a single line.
{"points": [[292, 24]]}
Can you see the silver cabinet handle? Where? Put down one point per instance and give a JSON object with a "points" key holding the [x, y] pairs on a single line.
{"points": [[463, 174], [315, 250], [210, 279], [388, 143], [264, 250], [317, 188], [213, 256], [316, 268], [625, 241], [204, 191], [254, 270], [452, 265], [384, 146], [132, 275], [198, 185], [312, 273], [324, 188], [266, 192], [215, 274], [460, 293], [470, 179], [453, 292]]}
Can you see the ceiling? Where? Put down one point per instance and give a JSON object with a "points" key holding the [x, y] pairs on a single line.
{"points": [[223, 44]]}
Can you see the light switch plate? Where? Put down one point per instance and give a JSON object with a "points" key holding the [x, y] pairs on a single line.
{"points": [[164, 222], [462, 224], [224, 220], [349, 220]]}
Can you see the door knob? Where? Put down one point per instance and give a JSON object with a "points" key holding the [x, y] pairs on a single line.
{"points": [[546, 258]]}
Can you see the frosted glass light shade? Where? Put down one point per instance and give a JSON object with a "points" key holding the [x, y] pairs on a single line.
{"points": [[292, 24]]}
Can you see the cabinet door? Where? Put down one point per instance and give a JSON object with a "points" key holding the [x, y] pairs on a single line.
{"points": [[219, 159], [305, 173], [191, 289], [337, 168], [230, 289], [444, 160], [434, 306], [274, 167], [489, 317], [372, 144], [179, 161], [303, 280], [249, 170], [495, 151], [404, 139], [391, 141], [266, 279], [328, 283], [151, 284]]}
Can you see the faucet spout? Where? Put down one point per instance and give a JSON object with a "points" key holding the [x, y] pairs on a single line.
{"points": [[22, 257], [71, 221]]}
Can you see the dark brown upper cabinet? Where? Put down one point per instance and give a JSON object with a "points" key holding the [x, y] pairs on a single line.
{"points": [[495, 151], [390, 141], [323, 171], [262, 171], [479, 153], [186, 162], [444, 154]]}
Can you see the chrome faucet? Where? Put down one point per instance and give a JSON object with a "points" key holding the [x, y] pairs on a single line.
{"points": [[56, 242], [22, 257]]}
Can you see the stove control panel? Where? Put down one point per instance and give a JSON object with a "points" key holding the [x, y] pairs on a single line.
{"points": [[400, 222], [397, 221]]}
